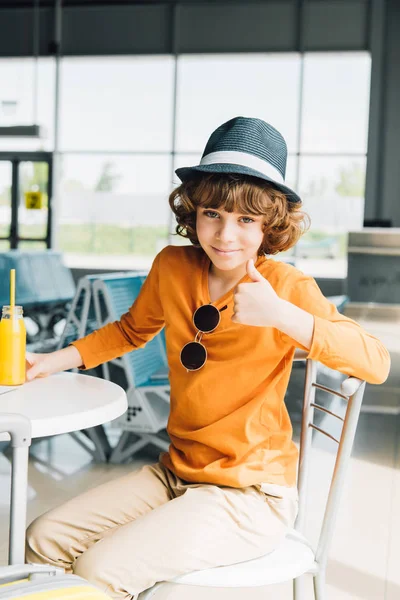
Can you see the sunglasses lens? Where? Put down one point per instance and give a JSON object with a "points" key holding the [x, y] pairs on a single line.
{"points": [[193, 356], [206, 318]]}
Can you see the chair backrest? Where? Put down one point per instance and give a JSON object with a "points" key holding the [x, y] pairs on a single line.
{"points": [[81, 318], [41, 278], [113, 296], [76, 324], [351, 392]]}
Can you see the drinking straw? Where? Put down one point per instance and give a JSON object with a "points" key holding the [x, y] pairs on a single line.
{"points": [[12, 288]]}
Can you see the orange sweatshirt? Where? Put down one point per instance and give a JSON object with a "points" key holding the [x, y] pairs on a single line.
{"points": [[228, 422]]}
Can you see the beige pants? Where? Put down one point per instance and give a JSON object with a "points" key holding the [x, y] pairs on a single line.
{"points": [[151, 526]]}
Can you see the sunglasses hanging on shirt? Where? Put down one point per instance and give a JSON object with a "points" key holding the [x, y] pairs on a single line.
{"points": [[206, 319]]}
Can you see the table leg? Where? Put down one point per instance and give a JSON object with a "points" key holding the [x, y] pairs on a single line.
{"points": [[19, 489]]}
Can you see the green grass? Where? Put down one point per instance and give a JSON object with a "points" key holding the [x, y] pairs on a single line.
{"points": [[98, 238], [111, 239]]}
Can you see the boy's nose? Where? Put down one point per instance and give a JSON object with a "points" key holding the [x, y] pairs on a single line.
{"points": [[226, 233]]}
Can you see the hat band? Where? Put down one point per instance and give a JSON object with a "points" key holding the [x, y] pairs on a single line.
{"points": [[245, 160]]}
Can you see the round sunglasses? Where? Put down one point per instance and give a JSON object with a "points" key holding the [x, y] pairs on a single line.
{"points": [[206, 318]]}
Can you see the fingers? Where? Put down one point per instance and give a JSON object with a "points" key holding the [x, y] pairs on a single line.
{"points": [[32, 372], [30, 357], [35, 367]]}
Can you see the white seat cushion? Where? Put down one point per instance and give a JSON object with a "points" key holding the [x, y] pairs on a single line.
{"points": [[292, 558]]}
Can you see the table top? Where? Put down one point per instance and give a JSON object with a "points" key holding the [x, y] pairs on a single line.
{"points": [[63, 403]]}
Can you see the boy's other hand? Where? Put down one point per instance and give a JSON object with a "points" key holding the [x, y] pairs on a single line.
{"points": [[43, 365], [255, 303], [37, 365]]}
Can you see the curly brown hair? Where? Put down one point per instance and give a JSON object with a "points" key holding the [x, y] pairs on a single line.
{"points": [[284, 224]]}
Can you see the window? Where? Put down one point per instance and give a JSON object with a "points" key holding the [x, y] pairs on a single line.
{"points": [[332, 157], [119, 150], [319, 102], [117, 104], [17, 103], [116, 143], [335, 103], [213, 89], [5, 202], [114, 205]]}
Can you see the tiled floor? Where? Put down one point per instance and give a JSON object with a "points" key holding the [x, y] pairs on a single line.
{"points": [[365, 553]]}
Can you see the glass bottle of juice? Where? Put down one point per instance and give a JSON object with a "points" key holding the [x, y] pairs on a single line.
{"points": [[12, 346]]}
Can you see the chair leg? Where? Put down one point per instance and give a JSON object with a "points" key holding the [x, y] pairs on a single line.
{"points": [[122, 450], [319, 586], [299, 591]]}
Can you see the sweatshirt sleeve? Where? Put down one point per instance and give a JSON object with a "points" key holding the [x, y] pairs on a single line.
{"points": [[135, 328], [339, 342]]}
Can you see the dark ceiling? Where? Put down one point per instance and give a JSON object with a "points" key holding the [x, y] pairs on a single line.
{"points": [[50, 3]]}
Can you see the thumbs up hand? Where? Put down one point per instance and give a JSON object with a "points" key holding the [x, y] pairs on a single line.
{"points": [[255, 303]]}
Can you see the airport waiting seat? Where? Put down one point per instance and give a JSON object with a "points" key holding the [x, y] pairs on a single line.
{"points": [[145, 370], [80, 321], [296, 556], [41, 278], [44, 287]]}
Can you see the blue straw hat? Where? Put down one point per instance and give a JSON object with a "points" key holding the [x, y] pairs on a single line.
{"points": [[245, 146]]}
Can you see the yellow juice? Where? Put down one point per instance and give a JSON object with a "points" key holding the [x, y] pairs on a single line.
{"points": [[12, 346]]}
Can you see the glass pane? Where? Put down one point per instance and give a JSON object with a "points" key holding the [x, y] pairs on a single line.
{"points": [[184, 160], [33, 212], [214, 88], [32, 245], [291, 172], [117, 103], [17, 106], [332, 190], [114, 204], [336, 102], [5, 198], [4, 246]]}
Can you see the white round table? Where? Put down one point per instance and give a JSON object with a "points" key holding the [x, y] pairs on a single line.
{"points": [[64, 402], [61, 403]]}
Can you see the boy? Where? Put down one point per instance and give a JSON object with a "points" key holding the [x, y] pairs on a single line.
{"points": [[225, 491]]}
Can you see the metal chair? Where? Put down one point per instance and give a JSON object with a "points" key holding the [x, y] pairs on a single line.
{"points": [[76, 324], [296, 556], [80, 321], [145, 371]]}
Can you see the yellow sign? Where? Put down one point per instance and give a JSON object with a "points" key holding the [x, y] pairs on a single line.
{"points": [[34, 200]]}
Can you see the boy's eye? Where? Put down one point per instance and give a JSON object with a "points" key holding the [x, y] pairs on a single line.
{"points": [[213, 215]]}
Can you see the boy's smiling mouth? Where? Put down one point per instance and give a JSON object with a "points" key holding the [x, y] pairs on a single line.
{"points": [[224, 252]]}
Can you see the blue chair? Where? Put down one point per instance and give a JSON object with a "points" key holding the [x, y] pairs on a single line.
{"points": [[42, 278], [145, 370], [80, 321], [44, 287]]}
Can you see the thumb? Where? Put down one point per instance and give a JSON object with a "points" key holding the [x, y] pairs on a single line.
{"points": [[252, 271]]}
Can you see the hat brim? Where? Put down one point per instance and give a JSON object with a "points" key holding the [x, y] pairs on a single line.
{"points": [[184, 173]]}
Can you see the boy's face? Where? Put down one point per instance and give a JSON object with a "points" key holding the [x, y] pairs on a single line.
{"points": [[229, 239]]}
